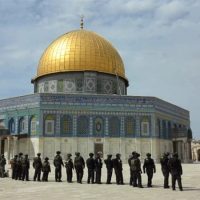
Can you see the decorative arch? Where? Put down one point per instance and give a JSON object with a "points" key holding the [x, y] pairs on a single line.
{"points": [[130, 126], [21, 127], [49, 124], [11, 126], [114, 126], [98, 126], [82, 125], [145, 126], [32, 125], [66, 125]]}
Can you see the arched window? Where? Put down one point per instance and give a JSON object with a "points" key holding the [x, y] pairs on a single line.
{"points": [[83, 125], [114, 126], [129, 126], [98, 126], [22, 125], [164, 129], [66, 125], [49, 124], [11, 125], [33, 125], [145, 126]]}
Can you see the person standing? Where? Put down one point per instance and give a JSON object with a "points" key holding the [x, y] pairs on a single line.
{"points": [[19, 167], [109, 166], [79, 165], [117, 165], [25, 168], [14, 167], [165, 169], [176, 171], [69, 167], [90, 162], [136, 170], [98, 166], [46, 168], [129, 163], [37, 165], [2, 166], [149, 168], [58, 163]]}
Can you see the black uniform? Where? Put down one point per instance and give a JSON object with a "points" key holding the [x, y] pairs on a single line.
{"points": [[19, 167], [14, 167], [109, 166], [2, 166], [117, 165], [69, 167], [25, 168], [165, 169], [176, 171], [129, 163], [37, 165], [79, 165], [136, 171], [58, 163], [149, 168], [46, 168], [98, 166], [90, 162]]}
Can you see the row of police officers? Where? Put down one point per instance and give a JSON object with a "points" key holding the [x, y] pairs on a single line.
{"points": [[20, 168]]}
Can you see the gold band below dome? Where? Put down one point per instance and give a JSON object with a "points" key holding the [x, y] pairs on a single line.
{"points": [[80, 50]]}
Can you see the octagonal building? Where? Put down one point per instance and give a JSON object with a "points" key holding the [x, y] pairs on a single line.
{"points": [[80, 103]]}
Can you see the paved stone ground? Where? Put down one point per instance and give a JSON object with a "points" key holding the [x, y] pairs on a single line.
{"points": [[17, 190]]}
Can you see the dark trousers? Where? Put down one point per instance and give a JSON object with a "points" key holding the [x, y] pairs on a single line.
{"points": [[79, 174], [37, 174], [45, 176], [19, 173], [69, 175], [98, 175], [90, 176], [131, 178], [2, 171], [119, 176], [166, 178], [177, 178], [25, 173], [109, 175], [137, 179], [58, 173], [14, 172], [150, 176]]}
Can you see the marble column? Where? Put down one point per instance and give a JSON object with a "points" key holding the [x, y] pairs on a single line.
{"points": [[8, 157], [0, 144], [15, 145]]}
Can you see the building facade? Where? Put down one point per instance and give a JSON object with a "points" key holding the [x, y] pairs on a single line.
{"points": [[80, 103]]}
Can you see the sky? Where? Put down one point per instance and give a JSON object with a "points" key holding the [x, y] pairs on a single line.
{"points": [[158, 40]]}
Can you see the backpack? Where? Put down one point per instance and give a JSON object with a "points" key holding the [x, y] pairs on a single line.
{"points": [[134, 164]]}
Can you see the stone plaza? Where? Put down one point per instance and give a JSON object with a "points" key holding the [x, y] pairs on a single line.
{"points": [[11, 189]]}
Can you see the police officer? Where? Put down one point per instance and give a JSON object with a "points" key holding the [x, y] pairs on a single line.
{"points": [[69, 167], [25, 168], [79, 165], [149, 168], [14, 167], [176, 171], [2, 166], [117, 165], [109, 166], [136, 170], [129, 163], [90, 162], [46, 168], [58, 163], [165, 169], [37, 165], [19, 167], [98, 166]]}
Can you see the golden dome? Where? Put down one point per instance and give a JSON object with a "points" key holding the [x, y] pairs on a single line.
{"points": [[80, 50]]}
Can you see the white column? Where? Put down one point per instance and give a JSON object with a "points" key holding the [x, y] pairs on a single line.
{"points": [[15, 145], [8, 139]]}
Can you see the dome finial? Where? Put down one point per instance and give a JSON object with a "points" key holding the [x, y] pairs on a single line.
{"points": [[81, 24]]}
